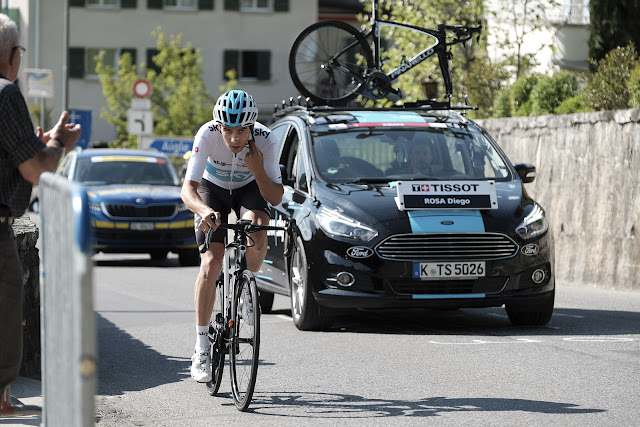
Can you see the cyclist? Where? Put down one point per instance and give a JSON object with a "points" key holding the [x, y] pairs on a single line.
{"points": [[233, 165]]}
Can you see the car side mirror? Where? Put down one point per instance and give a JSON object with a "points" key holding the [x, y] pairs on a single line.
{"points": [[526, 171], [286, 179]]}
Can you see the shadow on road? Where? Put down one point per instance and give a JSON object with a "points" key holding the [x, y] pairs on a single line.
{"points": [[337, 406], [131, 365]]}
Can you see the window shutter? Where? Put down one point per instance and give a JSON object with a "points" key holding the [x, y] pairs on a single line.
{"points": [[132, 51], [129, 4], [230, 62], [151, 65], [231, 5], [264, 65], [205, 4], [76, 3], [154, 4], [76, 62], [281, 5]]}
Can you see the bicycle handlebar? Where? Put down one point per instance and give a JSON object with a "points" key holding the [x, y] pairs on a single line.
{"points": [[462, 32], [243, 226]]}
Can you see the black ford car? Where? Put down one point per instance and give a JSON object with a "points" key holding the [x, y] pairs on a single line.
{"points": [[404, 208]]}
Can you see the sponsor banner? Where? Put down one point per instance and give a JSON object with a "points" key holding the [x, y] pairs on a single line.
{"points": [[446, 195]]}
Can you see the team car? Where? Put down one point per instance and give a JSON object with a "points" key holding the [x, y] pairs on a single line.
{"points": [[403, 208], [134, 202]]}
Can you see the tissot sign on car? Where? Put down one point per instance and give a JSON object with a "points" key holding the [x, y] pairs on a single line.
{"points": [[446, 195]]}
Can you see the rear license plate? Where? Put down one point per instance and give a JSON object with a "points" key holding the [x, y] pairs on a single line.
{"points": [[142, 226], [454, 270]]}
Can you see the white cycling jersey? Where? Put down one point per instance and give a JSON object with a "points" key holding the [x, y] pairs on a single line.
{"points": [[212, 160]]}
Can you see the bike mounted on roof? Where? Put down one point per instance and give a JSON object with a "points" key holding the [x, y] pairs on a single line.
{"points": [[328, 71]]}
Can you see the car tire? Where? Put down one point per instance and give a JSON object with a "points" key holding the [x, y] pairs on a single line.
{"points": [[305, 310], [189, 257], [158, 255], [266, 301], [538, 315]]}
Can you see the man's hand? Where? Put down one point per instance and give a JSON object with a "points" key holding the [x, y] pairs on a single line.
{"points": [[208, 222], [254, 159], [66, 133]]}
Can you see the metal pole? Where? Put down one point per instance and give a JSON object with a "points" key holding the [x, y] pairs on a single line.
{"points": [[65, 60]]}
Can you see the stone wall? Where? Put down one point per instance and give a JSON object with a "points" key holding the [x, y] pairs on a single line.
{"points": [[26, 236], [588, 181]]}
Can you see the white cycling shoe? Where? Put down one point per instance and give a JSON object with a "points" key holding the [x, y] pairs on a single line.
{"points": [[201, 366]]}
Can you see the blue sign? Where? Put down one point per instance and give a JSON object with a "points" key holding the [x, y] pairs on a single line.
{"points": [[172, 147], [84, 119]]}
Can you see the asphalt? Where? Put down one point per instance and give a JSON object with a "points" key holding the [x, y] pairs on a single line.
{"points": [[27, 391]]}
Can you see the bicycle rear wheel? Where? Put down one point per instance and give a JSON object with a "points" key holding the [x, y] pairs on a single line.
{"points": [[245, 340], [217, 338], [329, 62]]}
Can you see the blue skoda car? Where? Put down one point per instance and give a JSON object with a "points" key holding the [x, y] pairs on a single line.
{"points": [[402, 208], [134, 202]]}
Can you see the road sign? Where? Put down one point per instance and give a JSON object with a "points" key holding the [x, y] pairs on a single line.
{"points": [[170, 145], [140, 122], [39, 83], [141, 88], [84, 119]]}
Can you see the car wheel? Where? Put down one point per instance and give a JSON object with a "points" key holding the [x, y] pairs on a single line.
{"points": [[158, 255], [266, 301], [304, 308], [189, 257], [34, 206], [538, 315]]}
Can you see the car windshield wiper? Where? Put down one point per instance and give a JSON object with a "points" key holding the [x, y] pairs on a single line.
{"points": [[371, 180]]}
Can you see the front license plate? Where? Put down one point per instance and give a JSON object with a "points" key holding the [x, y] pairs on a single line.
{"points": [[453, 270], [142, 226]]}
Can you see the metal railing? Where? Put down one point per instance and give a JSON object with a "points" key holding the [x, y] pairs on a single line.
{"points": [[68, 325]]}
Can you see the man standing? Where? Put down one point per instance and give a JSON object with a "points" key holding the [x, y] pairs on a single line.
{"points": [[23, 157]]}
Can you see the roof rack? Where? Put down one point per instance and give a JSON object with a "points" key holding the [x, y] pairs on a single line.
{"points": [[305, 104]]}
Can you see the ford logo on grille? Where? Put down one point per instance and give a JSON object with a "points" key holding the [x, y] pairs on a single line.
{"points": [[530, 249], [359, 252], [447, 222]]}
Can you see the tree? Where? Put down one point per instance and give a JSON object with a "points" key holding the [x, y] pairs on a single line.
{"points": [[179, 99], [613, 24], [517, 21]]}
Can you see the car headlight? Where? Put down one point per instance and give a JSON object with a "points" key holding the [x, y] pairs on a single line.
{"points": [[334, 223], [95, 206], [533, 224]]}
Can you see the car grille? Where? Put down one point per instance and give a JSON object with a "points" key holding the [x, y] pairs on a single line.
{"points": [[132, 211], [105, 236], [484, 285], [447, 246]]}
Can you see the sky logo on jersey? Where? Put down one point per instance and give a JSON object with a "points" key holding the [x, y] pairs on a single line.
{"points": [[225, 175]]}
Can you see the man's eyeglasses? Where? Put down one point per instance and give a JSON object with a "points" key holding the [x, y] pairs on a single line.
{"points": [[22, 49]]}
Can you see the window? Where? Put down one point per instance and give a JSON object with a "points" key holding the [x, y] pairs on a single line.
{"points": [[180, 4], [256, 5], [249, 64], [104, 3], [82, 62]]}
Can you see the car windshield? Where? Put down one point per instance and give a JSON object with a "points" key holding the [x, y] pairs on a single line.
{"points": [[107, 170], [386, 154]]}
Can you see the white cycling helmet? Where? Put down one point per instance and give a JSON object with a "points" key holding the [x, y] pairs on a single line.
{"points": [[235, 108]]}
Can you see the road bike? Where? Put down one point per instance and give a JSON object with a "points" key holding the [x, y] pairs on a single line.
{"points": [[331, 62], [235, 322]]}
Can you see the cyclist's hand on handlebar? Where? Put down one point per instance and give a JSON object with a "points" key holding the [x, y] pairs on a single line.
{"points": [[210, 220]]}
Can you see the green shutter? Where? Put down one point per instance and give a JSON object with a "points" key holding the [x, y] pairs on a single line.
{"points": [[129, 4], [231, 5], [76, 3], [264, 65], [130, 50], [281, 5], [205, 4], [151, 65], [230, 62], [76, 62], [154, 4]]}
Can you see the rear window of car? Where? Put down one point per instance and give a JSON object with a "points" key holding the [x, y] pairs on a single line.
{"points": [[408, 153], [109, 170]]}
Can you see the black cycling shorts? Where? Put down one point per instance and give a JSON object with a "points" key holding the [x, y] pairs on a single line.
{"points": [[220, 200]]}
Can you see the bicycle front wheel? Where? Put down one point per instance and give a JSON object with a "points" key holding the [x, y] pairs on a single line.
{"points": [[217, 338], [329, 62], [245, 340]]}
